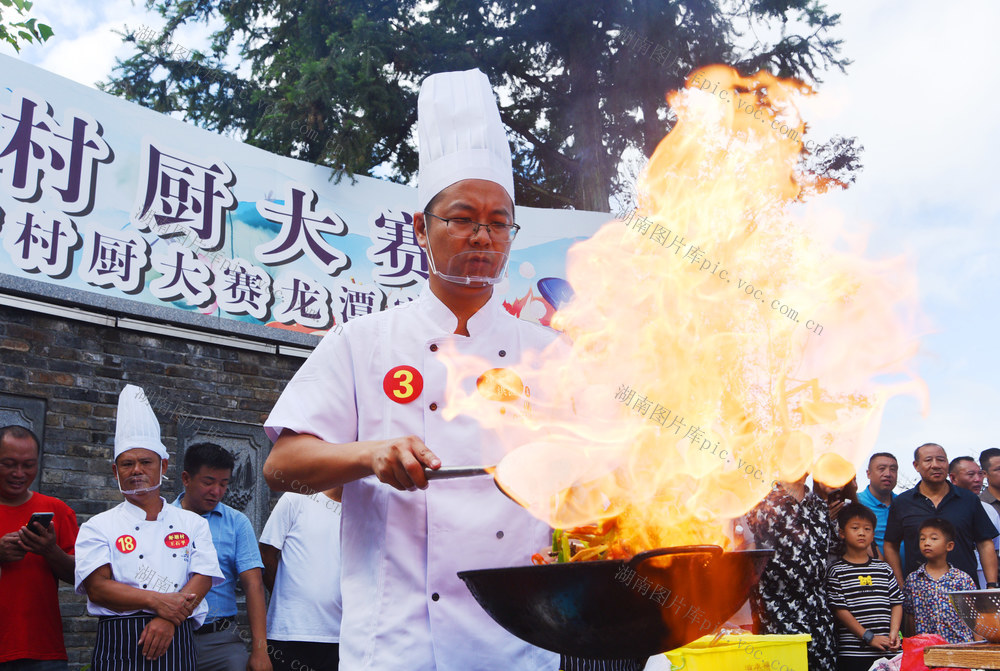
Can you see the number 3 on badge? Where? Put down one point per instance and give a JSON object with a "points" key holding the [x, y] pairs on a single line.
{"points": [[403, 384]]}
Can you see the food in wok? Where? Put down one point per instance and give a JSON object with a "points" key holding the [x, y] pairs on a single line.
{"points": [[585, 543]]}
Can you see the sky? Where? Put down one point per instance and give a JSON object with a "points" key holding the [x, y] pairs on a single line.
{"points": [[922, 98]]}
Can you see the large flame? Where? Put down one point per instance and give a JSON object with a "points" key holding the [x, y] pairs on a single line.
{"points": [[719, 340]]}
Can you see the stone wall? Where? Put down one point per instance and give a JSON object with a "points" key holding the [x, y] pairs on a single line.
{"points": [[72, 371]]}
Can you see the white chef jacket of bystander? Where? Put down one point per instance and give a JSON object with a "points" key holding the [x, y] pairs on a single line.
{"points": [[404, 606], [159, 555]]}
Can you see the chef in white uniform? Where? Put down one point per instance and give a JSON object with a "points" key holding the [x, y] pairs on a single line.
{"points": [[365, 411], [145, 566]]}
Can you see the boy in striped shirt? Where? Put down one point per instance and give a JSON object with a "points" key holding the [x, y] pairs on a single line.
{"points": [[866, 600]]}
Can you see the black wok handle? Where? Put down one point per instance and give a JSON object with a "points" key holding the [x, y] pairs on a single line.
{"points": [[448, 473], [714, 550]]}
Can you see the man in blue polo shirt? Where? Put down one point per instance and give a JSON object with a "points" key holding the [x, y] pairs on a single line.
{"points": [[882, 472], [934, 496], [207, 469]]}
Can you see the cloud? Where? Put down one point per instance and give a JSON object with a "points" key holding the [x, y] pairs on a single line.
{"points": [[956, 420], [85, 45], [920, 98]]}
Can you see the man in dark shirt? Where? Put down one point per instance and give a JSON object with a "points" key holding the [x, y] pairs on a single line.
{"points": [[934, 496]]}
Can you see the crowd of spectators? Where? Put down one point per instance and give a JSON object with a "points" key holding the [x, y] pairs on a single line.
{"points": [[854, 569], [162, 578], [858, 570]]}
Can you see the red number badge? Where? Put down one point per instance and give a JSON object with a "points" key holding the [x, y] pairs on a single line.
{"points": [[176, 540], [125, 544], [403, 384]]}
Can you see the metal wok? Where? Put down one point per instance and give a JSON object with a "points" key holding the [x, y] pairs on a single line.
{"points": [[586, 609]]}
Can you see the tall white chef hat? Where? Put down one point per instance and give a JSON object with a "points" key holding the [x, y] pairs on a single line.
{"points": [[459, 134], [136, 424]]}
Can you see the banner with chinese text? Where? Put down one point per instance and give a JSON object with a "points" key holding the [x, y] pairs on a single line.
{"points": [[115, 200]]}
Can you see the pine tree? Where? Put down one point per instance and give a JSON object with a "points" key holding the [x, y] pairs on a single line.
{"points": [[334, 82]]}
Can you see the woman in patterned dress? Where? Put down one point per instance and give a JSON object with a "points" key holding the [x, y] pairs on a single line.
{"points": [[790, 597]]}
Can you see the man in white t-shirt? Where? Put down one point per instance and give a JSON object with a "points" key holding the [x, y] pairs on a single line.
{"points": [[300, 546]]}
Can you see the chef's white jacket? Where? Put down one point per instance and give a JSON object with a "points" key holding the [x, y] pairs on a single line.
{"points": [[404, 606], [159, 555]]}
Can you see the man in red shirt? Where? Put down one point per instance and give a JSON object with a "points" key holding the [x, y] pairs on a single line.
{"points": [[32, 560]]}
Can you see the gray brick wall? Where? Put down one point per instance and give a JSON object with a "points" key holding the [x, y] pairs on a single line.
{"points": [[79, 368]]}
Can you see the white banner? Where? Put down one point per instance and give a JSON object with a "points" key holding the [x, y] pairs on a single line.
{"points": [[104, 196]]}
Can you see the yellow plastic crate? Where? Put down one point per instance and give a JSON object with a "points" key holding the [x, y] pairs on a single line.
{"points": [[769, 652]]}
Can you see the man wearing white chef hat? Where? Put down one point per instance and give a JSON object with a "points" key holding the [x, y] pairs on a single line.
{"points": [[365, 411], [145, 566]]}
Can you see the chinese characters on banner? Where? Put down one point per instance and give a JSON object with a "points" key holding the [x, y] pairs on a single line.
{"points": [[303, 300], [400, 260], [184, 277], [165, 250], [115, 258], [301, 229], [50, 171]]}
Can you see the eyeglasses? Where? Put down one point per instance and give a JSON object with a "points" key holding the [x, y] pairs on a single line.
{"points": [[466, 228]]}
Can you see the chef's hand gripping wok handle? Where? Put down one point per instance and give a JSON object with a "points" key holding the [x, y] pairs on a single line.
{"points": [[714, 551]]}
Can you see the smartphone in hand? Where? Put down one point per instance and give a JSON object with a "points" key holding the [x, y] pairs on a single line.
{"points": [[39, 521]]}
